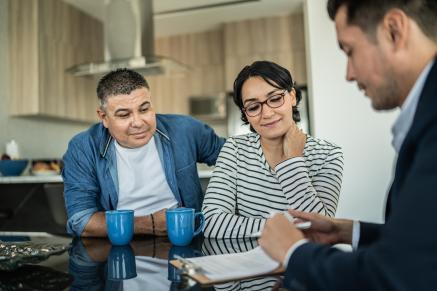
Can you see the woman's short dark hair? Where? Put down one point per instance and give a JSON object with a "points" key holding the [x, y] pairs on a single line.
{"points": [[274, 75], [120, 81]]}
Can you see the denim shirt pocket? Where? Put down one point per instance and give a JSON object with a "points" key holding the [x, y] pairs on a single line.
{"points": [[189, 186]]}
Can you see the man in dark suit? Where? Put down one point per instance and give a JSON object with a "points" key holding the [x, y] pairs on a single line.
{"points": [[391, 46]]}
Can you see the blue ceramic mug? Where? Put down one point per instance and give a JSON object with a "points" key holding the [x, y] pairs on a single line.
{"points": [[120, 226], [180, 225], [121, 263]]}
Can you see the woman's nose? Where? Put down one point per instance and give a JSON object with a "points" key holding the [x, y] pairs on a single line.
{"points": [[267, 111]]}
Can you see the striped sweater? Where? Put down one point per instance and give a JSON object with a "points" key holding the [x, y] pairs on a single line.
{"points": [[244, 190]]}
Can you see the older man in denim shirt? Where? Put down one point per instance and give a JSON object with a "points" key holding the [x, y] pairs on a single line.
{"points": [[134, 159]]}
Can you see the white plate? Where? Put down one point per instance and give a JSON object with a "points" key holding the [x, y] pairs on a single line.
{"points": [[45, 173]]}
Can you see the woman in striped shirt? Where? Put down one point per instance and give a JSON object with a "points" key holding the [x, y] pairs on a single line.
{"points": [[274, 168]]}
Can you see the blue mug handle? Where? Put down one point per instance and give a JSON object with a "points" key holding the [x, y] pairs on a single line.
{"points": [[202, 222]]}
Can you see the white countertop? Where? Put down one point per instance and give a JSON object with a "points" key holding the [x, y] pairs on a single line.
{"points": [[30, 179], [58, 178]]}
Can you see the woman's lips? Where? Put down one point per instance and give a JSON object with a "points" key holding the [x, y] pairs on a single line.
{"points": [[271, 124]]}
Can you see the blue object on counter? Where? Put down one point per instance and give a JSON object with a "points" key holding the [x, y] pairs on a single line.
{"points": [[14, 238], [12, 167]]}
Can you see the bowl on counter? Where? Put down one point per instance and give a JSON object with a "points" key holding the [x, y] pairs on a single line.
{"points": [[13, 167]]}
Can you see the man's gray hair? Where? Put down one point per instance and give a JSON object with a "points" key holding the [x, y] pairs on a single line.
{"points": [[117, 82]]}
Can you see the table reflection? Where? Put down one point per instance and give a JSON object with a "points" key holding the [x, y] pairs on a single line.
{"points": [[94, 264], [34, 277], [142, 265], [229, 246], [122, 263]]}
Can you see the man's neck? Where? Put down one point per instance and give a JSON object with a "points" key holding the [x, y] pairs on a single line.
{"points": [[409, 75], [420, 50]]}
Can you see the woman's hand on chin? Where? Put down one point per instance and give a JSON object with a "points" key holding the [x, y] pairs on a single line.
{"points": [[294, 142]]}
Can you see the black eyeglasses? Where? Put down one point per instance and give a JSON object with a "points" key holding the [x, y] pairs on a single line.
{"points": [[273, 101]]}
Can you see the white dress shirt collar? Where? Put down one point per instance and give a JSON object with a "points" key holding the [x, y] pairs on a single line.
{"points": [[408, 109]]}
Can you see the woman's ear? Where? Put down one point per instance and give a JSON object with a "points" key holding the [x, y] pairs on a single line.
{"points": [[293, 97]]}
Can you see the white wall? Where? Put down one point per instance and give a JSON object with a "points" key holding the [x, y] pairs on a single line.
{"points": [[343, 115], [37, 138]]}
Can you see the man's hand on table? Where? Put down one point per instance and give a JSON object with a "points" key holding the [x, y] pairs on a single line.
{"points": [[324, 229], [279, 234], [277, 237]]}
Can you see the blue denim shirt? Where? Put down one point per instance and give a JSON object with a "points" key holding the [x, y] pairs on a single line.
{"points": [[90, 166]]}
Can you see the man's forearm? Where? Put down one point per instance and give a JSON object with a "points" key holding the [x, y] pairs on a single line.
{"points": [[143, 225], [96, 226], [156, 226]]}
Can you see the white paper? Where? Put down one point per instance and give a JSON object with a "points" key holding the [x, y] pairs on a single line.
{"points": [[232, 266], [298, 225]]}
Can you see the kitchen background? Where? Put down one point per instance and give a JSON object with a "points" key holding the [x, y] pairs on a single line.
{"points": [[42, 107]]}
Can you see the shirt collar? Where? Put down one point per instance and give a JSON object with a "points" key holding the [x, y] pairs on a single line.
{"points": [[408, 109]]}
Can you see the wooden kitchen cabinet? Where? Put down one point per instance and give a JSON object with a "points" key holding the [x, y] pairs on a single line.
{"points": [[215, 57], [203, 53], [46, 37], [279, 39]]}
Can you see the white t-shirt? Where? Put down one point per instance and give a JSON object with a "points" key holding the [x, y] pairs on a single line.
{"points": [[141, 179]]}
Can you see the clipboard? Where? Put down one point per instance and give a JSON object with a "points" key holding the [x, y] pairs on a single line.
{"points": [[204, 280]]}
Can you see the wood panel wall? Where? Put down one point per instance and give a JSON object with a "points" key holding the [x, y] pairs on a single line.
{"points": [[203, 53], [56, 37], [49, 36], [23, 43], [278, 39], [215, 58]]}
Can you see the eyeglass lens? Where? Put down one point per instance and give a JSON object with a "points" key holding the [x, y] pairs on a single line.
{"points": [[273, 102]]}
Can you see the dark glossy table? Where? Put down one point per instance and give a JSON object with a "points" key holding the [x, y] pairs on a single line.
{"points": [[94, 264]]}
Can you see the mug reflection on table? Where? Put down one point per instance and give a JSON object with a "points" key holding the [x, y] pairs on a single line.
{"points": [[121, 263], [181, 225], [120, 226]]}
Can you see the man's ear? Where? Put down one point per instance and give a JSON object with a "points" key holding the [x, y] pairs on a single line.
{"points": [[102, 116], [396, 27]]}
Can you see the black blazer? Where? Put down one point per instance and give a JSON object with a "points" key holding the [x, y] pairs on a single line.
{"points": [[402, 253]]}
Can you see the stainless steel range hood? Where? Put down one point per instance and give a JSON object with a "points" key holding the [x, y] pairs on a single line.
{"points": [[129, 42]]}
